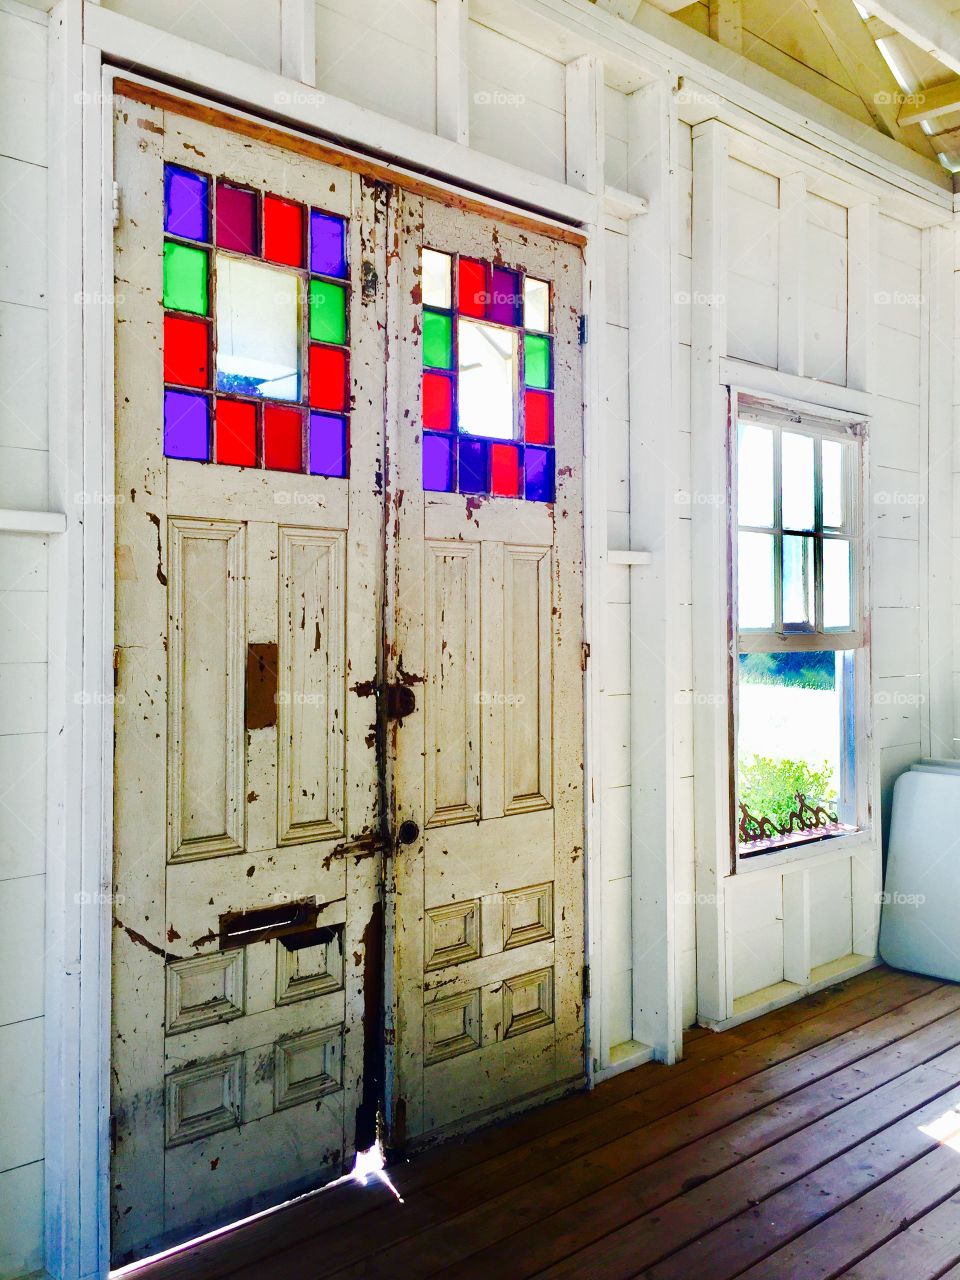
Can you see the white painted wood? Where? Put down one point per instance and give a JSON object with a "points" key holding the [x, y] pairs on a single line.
{"points": [[652, 352], [793, 265], [453, 106], [930, 26], [862, 234], [630, 557], [489, 1032], [797, 927], [32, 521], [726, 23], [209, 560], [584, 117], [710, 573], [298, 52]]}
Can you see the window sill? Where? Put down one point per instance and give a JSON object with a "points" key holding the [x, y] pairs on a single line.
{"points": [[804, 847]]}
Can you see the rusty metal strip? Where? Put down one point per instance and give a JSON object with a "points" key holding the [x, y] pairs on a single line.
{"points": [[301, 145]]}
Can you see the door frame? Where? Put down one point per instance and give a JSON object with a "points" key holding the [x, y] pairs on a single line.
{"points": [[78, 925]]}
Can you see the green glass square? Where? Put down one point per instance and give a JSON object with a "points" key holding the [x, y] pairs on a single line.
{"points": [[328, 312], [536, 361], [437, 340], [184, 278]]}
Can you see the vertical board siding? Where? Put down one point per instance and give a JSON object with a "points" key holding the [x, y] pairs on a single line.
{"points": [[244, 29], [23, 634], [516, 102], [381, 56]]}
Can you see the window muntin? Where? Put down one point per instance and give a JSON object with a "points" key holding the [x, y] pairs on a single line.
{"points": [[798, 630]]}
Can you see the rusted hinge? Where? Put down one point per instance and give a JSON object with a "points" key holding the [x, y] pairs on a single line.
{"points": [[582, 330], [584, 655], [586, 982], [115, 205], [116, 665], [113, 1135]]}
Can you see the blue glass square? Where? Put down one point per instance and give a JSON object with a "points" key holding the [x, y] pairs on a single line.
{"points": [[328, 251], [186, 206], [474, 466], [186, 426], [328, 444], [438, 456], [538, 466]]}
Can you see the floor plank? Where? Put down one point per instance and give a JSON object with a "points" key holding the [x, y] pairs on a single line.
{"points": [[800, 1130]]}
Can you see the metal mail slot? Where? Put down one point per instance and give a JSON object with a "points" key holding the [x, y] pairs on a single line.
{"points": [[238, 928]]}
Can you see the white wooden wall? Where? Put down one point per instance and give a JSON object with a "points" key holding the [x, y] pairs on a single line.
{"points": [[23, 632]]}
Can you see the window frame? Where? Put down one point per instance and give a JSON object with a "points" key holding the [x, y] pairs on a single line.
{"points": [[822, 425]]}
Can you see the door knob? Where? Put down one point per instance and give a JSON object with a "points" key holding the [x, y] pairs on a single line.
{"points": [[408, 832]]}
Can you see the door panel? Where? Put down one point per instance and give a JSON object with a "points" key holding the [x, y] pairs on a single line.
{"points": [[484, 622], [248, 609]]}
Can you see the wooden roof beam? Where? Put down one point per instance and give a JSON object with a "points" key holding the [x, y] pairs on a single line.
{"points": [[927, 23], [927, 104]]}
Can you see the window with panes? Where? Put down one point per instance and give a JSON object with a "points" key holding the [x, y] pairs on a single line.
{"points": [[798, 625]]}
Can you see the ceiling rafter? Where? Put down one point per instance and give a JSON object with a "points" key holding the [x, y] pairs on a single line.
{"points": [[927, 24], [927, 104]]}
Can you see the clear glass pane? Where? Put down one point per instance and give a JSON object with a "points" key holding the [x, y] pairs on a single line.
{"points": [[754, 475], [796, 468], [798, 609], [536, 305], [790, 741], [755, 580], [435, 283], [832, 462], [258, 330], [837, 564], [488, 379]]}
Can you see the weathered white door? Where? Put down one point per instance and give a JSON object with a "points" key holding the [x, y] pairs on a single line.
{"points": [[247, 940], [485, 631]]}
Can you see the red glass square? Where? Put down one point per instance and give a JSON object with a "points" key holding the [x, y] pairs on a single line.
{"points": [[328, 378], [472, 290], [282, 231], [236, 218], [236, 427], [505, 470], [437, 402], [282, 438], [186, 352], [538, 414]]}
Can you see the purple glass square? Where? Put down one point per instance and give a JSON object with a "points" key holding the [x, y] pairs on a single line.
{"points": [[437, 463], [474, 466], [237, 219], [538, 474], [186, 426], [505, 297], [328, 254], [185, 204], [328, 444]]}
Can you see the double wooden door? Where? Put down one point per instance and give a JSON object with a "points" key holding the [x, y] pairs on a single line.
{"points": [[348, 872]]}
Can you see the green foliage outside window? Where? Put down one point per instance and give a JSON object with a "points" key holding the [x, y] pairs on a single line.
{"points": [[769, 787]]}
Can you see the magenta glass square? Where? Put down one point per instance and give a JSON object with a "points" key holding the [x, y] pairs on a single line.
{"points": [[474, 466], [438, 472], [505, 296], [538, 474], [237, 219], [186, 426], [328, 444], [185, 203], [328, 248]]}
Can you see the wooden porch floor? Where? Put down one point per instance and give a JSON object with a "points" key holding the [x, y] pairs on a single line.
{"points": [[814, 1142]]}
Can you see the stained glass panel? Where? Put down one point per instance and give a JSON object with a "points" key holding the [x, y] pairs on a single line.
{"points": [[186, 351], [436, 278], [328, 378], [438, 463], [328, 444], [328, 245], [474, 466], [538, 414], [538, 467], [185, 270], [236, 432], [505, 297], [328, 311], [186, 425], [237, 221], [437, 340], [536, 305], [505, 470], [282, 438], [536, 361], [472, 289], [282, 231], [487, 358], [185, 203]]}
